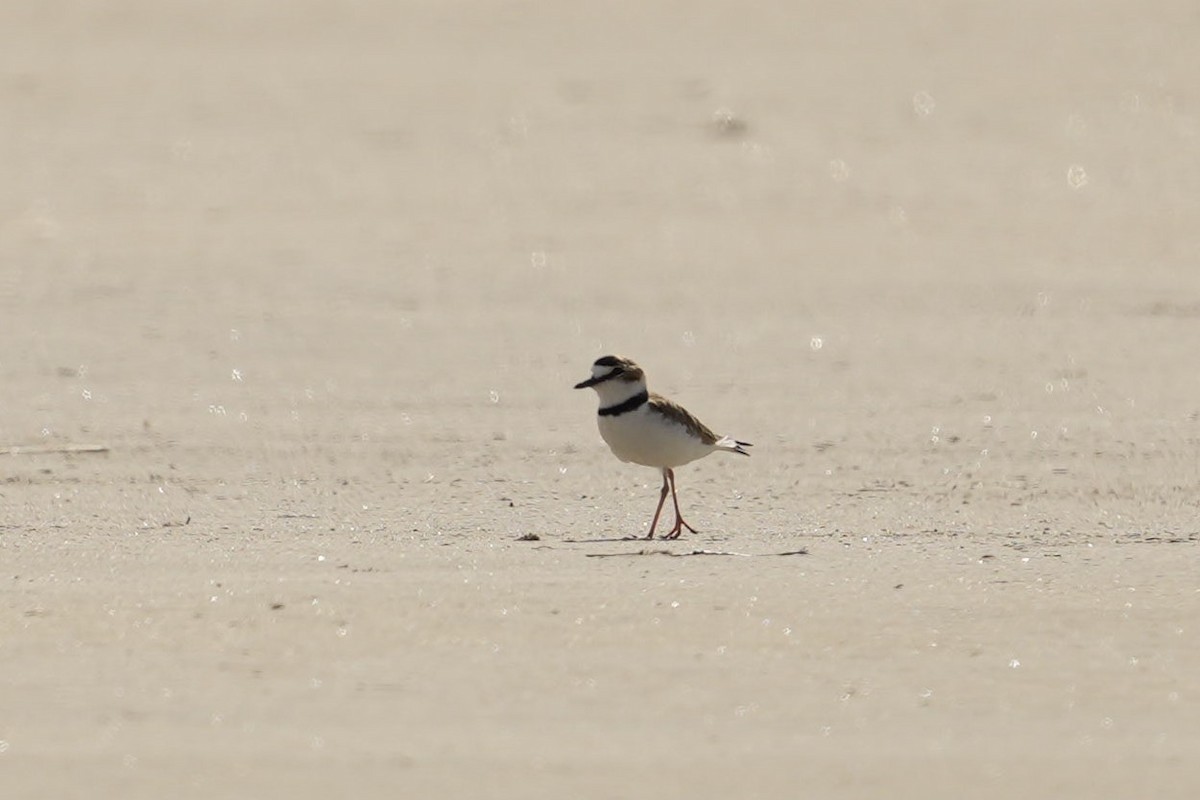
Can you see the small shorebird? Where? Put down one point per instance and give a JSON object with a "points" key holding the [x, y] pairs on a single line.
{"points": [[648, 429]]}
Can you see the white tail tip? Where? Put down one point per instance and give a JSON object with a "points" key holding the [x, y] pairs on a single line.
{"points": [[732, 445]]}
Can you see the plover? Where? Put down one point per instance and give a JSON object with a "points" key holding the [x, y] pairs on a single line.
{"points": [[648, 429]]}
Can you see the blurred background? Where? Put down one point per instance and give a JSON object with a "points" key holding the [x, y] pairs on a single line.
{"points": [[943, 244]]}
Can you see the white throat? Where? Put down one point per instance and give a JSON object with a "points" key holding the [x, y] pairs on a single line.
{"points": [[618, 391]]}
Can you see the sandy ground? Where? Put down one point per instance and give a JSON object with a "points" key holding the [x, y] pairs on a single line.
{"points": [[320, 275]]}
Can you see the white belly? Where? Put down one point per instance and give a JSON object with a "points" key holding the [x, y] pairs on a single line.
{"points": [[645, 438]]}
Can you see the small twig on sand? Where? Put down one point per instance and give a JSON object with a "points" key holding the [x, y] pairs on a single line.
{"points": [[42, 449], [673, 554]]}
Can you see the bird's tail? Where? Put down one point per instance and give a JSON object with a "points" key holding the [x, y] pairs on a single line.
{"points": [[732, 445]]}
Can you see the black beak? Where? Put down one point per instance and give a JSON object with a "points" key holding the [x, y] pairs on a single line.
{"points": [[592, 381]]}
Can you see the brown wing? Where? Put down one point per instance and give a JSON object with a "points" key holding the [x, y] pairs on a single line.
{"points": [[677, 413]]}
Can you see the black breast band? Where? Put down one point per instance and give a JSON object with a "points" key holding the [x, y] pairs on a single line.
{"points": [[628, 405]]}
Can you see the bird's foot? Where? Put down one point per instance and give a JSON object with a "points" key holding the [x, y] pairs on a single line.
{"points": [[677, 529]]}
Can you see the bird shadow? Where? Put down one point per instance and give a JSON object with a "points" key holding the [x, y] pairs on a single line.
{"points": [[677, 554]]}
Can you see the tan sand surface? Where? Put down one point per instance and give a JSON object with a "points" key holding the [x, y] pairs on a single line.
{"points": [[319, 275]]}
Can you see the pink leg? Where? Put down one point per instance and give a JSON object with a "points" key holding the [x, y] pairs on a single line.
{"points": [[662, 498], [679, 523]]}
